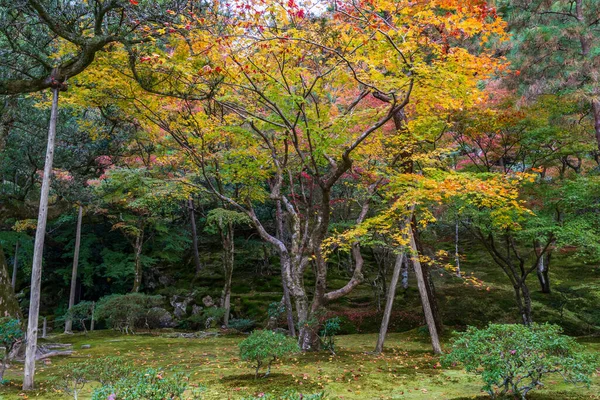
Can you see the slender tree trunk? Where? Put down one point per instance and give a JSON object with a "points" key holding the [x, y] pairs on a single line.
{"points": [[38, 251], [542, 273], [92, 321], [15, 266], [9, 306], [137, 279], [228, 263], [197, 263], [596, 112], [456, 253], [429, 285], [69, 321], [389, 303], [422, 285], [44, 328]]}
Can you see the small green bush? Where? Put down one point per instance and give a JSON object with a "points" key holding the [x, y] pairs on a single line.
{"points": [[72, 378], [264, 347], [10, 334], [512, 359], [330, 328], [242, 324], [80, 313], [150, 384]]}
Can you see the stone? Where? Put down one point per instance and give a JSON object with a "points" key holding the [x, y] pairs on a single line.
{"points": [[208, 301]]}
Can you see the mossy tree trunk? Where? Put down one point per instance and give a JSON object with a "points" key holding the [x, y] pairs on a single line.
{"points": [[9, 306]]}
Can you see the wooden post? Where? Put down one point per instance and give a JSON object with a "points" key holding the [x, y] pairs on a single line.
{"points": [[435, 341], [15, 265], [44, 328], [391, 294], [38, 250]]}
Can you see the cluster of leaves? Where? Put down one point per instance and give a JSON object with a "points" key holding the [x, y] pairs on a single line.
{"points": [[263, 347], [331, 327], [288, 395], [241, 324], [514, 358], [149, 384], [10, 334]]}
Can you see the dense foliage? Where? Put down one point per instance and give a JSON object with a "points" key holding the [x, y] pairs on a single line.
{"points": [[308, 167]]}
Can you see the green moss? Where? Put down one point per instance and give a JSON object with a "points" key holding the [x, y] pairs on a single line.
{"points": [[406, 370]]}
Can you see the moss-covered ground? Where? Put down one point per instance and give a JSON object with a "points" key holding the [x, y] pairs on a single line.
{"points": [[407, 370]]}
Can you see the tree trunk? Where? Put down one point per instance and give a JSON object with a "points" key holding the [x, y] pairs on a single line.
{"points": [[69, 321], [456, 254], [228, 263], [44, 328], [404, 273], [92, 318], [542, 273], [197, 263], [288, 310], [137, 279], [596, 112], [38, 251], [9, 306], [15, 266], [391, 294], [422, 285]]}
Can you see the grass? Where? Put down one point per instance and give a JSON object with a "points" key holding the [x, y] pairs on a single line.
{"points": [[407, 370]]}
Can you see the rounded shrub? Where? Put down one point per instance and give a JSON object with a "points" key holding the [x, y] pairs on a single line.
{"points": [[263, 347], [512, 359]]}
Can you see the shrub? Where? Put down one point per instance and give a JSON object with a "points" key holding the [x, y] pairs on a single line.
{"points": [[212, 316], [289, 395], [514, 358], [150, 384], [107, 370], [264, 347], [241, 325], [125, 312], [330, 328], [10, 334]]}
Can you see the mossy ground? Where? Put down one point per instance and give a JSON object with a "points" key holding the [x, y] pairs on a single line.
{"points": [[407, 370]]}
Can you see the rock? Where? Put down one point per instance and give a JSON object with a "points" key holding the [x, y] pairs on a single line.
{"points": [[196, 309], [208, 301], [86, 346], [158, 317]]}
